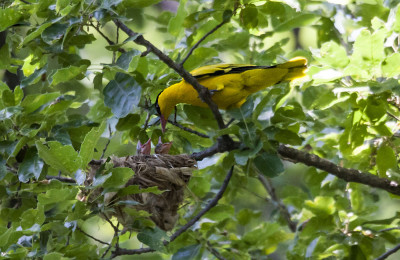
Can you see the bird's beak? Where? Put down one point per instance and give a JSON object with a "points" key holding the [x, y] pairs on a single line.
{"points": [[163, 123]]}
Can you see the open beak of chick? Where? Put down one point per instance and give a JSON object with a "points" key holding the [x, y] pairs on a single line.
{"points": [[143, 149], [162, 148]]}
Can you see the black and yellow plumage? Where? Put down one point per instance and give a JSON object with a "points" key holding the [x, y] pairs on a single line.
{"points": [[231, 84]]}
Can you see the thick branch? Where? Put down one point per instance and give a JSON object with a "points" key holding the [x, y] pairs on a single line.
{"points": [[220, 147], [213, 203], [349, 175], [204, 93]]}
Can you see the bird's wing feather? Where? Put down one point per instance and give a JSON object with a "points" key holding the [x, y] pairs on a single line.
{"points": [[222, 69]]}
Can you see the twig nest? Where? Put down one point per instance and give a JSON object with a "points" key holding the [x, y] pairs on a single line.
{"points": [[170, 173]]}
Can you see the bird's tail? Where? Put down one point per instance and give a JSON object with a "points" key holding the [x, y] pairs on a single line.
{"points": [[297, 68]]}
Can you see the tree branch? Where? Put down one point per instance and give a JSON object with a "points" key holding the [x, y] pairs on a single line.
{"points": [[282, 207], [187, 129], [204, 93], [122, 251], [349, 175], [92, 237], [202, 39], [220, 147], [110, 42], [388, 253]]}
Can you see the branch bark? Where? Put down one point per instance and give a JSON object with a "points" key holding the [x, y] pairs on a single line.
{"points": [[349, 175]]}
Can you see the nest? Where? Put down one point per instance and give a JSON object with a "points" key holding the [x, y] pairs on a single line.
{"points": [[170, 173]]}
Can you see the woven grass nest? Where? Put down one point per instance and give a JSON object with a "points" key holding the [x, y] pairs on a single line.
{"points": [[170, 173]]}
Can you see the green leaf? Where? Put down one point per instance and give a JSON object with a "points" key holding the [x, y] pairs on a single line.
{"points": [[53, 256], [244, 216], [8, 17], [34, 77], [122, 94], [128, 122], [89, 143], [385, 159], [66, 74], [268, 164], [175, 25], [321, 206], [35, 101], [31, 166], [302, 19], [333, 54], [220, 212], [60, 157], [375, 108], [248, 16], [153, 238], [365, 62], [36, 33], [129, 60], [135, 189], [288, 114], [391, 65], [5, 57], [99, 180], [188, 252], [57, 195], [31, 217], [288, 137], [119, 177], [3, 169], [54, 33], [396, 24]]}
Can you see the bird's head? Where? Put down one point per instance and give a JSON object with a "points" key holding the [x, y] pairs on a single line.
{"points": [[164, 109]]}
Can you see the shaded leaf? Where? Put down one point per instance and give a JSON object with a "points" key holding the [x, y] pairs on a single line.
{"points": [[31, 166], [122, 94], [60, 157], [268, 164]]}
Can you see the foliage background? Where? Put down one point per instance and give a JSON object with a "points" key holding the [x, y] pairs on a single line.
{"points": [[69, 93]]}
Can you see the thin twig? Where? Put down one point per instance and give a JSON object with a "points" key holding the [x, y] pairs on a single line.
{"points": [[388, 229], [146, 124], [213, 203], [108, 142], [214, 251], [210, 205], [109, 41], [92, 237], [266, 182], [202, 39], [388, 253], [187, 129]]}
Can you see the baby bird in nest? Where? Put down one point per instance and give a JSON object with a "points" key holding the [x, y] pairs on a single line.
{"points": [[162, 148], [143, 149]]}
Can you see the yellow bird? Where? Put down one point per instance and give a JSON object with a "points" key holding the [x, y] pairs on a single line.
{"points": [[231, 84]]}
